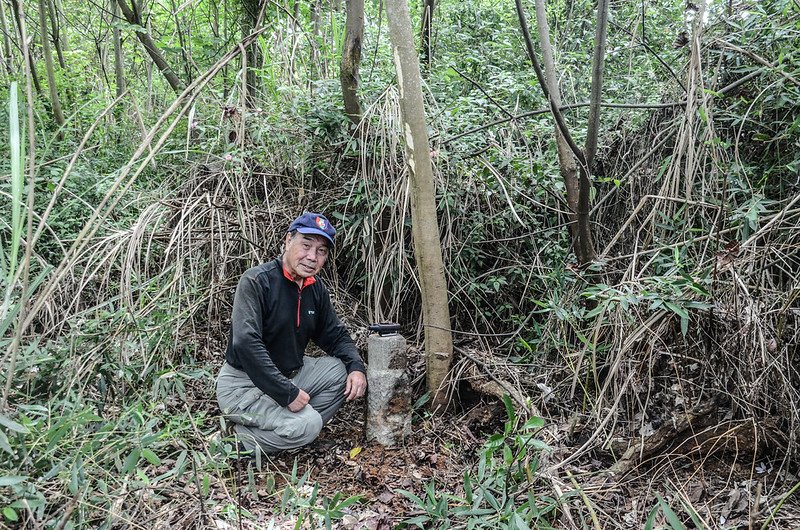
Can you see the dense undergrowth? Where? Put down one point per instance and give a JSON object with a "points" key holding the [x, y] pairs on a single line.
{"points": [[692, 304]]}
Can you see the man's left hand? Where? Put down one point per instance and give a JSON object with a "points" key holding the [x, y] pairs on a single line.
{"points": [[356, 385]]}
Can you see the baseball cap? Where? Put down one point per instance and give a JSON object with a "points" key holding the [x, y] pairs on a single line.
{"points": [[314, 223]]}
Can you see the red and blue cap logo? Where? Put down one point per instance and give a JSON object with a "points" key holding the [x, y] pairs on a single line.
{"points": [[314, 223]]}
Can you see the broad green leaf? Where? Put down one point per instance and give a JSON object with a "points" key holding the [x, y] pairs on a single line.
{"points": [[12, 425], [534, 423], [10, 513], [519, 523], [4, 445], [132, 460], [151, 457], [11, 480]]}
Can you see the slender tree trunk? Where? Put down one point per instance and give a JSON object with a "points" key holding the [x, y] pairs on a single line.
{"points": [[16, 8], [584, 245], [132, 14], [119, 64], [427, 244], [7, 58], [351, 59], [316, 29], [225, 40], [566, 162], [58, 36], [48, 64], [251, 9], [426, 32], [185, 49]]}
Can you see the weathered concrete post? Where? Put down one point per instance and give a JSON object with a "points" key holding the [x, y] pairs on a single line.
{"points": [[389, 396]]}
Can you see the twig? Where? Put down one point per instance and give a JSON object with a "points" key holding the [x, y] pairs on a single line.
{"points": [[760, 60], [503, 384], [652, 52], [67, 513], [483, 91], [586, 500], [538, 112], [778, 507]]}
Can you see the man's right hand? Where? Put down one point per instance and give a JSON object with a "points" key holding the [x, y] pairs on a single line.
{"points": [[299, 402]]}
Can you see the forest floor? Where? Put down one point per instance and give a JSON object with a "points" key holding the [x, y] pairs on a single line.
{"points": [[361, 485]]}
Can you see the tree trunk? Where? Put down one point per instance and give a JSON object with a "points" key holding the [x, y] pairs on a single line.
{"points": [[426, 32], [584, 245], [316, 29], [185, 47], [16, 9], [49, 67], [7, 58], [427, 244], [58, 37], [250, 12], [133, 15], [566, 162], [119, 66], [577, 187], [351, 59]]}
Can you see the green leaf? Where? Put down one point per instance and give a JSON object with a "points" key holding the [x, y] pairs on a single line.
{"points": [[12, 480], [410, 496], [672, 517], [533, 423], [12, 425], [418, 520], [651, 518], [132, 461], [678, 310], [519, 523], [151, 457], [4, 445], [10, 513]]}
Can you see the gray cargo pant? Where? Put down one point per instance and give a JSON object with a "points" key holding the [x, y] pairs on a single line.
{"points": [[260, 420]]}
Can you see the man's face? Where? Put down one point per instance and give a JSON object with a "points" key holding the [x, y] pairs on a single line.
{"points": [[305, 254]]}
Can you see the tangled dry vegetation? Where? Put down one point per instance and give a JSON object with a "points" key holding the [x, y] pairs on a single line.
{"points": [[666, 374], [639, 408]]}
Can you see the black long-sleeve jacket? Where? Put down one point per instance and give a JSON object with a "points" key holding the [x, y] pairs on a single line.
{"points": [[273, 319]]}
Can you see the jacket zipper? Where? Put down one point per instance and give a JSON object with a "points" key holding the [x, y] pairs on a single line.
{"points": [[299, 297]]}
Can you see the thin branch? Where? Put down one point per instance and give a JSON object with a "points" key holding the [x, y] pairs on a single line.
{"points": [[652, 52], [539, 112], [483, 91], [760, 60], [560, 123]]}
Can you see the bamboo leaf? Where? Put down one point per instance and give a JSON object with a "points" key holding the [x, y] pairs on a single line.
{"points": [[12, 480], [151, 457], [12, 425]]}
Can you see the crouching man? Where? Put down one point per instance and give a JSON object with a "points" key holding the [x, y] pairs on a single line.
{"points": [[277, 397]]}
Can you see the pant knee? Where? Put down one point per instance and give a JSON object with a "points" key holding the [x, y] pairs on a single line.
{"points": [[337, 373], [302, 430]]}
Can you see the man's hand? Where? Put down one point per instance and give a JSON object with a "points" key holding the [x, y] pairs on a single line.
{"points": [[299, 402], [356, 385]]}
